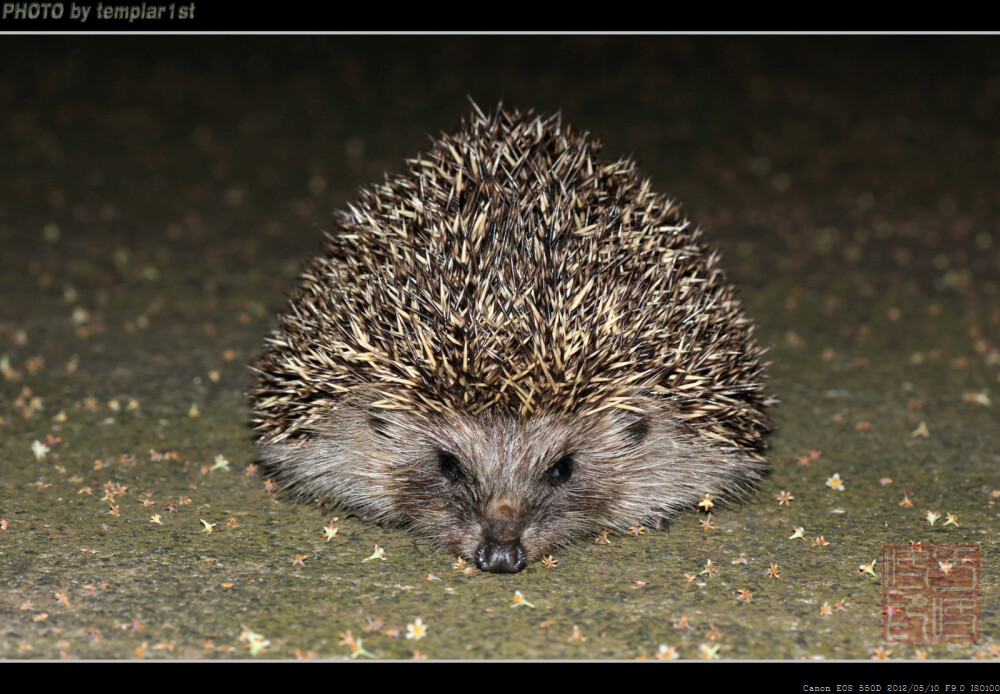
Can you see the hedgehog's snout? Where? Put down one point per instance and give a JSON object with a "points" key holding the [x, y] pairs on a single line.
{"points": [[501, 550], [501, 556]]}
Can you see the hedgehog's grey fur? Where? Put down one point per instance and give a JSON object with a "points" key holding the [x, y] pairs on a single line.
{"points": [[510, 345]]}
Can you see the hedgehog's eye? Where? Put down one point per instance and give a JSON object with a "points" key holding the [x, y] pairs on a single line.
{"points": [[450, 467], [561, 471]]}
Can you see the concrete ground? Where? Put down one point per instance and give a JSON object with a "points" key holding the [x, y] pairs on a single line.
{"points": [[158, 194]]}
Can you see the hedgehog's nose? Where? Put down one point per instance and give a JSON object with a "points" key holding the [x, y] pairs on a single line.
{"points": [[500, 556]]}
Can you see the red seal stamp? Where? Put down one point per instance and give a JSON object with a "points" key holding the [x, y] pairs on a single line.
{"points": [[931, 593]]}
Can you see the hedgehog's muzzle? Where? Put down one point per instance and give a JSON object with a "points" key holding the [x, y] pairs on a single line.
{"points": [[501, 550], [501, 556]]}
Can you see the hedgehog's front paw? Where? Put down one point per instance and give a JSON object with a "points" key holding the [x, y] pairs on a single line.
{"points": [[364, 516]]}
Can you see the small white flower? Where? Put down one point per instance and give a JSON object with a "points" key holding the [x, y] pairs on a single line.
{"points": [[417, 630], [39, 449]]}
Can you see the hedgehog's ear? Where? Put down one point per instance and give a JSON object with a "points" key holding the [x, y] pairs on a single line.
{"points": [[379, 425], [637, 430]]}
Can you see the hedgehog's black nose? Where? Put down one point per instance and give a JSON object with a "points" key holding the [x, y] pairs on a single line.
{"points": [[502, 557]]}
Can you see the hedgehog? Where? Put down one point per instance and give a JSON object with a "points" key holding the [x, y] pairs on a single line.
{"points": [[513, 344]]}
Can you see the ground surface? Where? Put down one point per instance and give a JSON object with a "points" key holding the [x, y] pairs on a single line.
{"points": [[159, 193]]}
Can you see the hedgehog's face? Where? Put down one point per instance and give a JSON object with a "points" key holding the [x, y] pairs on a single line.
{"points": [[503, 492]]}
